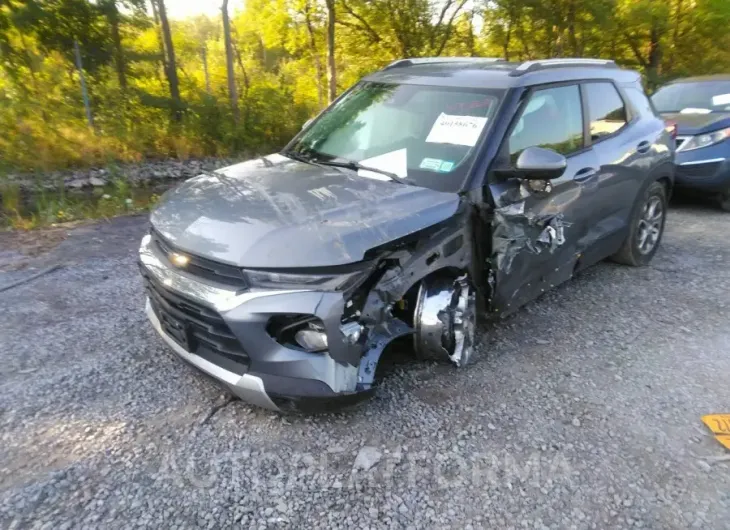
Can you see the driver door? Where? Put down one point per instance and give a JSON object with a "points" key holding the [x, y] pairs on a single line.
{"points": [[536, 232]]}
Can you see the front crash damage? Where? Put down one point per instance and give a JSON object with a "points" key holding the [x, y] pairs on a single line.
{"points": [[422, 289], [312, 349], [309, 348], [313, 337]]}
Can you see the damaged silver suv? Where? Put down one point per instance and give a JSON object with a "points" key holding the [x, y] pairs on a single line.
{"points": [[431, 191]]}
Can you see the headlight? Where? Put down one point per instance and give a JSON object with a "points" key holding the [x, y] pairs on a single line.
{"points": [[705, 140], [321, 282]]}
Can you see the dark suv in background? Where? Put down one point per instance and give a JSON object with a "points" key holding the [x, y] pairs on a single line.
{"points": [[429, 191], [700, 107]]}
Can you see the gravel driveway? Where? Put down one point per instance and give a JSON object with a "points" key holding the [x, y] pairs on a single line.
{"points": [[582, 411]]}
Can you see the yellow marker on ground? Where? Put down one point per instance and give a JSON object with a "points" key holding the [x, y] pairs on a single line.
{"points": [[719, 424]]}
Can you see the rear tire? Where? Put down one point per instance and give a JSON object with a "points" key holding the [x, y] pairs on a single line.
{"points": [[646, 228]]}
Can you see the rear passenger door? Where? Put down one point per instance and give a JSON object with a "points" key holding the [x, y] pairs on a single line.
{"points": [[621, 147], [538, 235]]}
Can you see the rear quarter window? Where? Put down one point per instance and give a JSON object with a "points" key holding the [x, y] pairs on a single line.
{"points": [[606, 111], [640, 102]]}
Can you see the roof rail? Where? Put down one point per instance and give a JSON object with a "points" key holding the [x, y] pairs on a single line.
{"points": [[542, 64], [437, 60]]}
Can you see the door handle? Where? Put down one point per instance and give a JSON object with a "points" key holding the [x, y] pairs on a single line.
{"points": [[643, 147], [584, 174]]}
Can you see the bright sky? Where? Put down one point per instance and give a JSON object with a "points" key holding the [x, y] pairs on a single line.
{"points": [[188, 8]]}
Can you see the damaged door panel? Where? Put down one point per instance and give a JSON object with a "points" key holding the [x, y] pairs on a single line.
{"points": [[538, 233]]}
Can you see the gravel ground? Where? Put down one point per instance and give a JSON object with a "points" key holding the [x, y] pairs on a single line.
{"points": [[582, 411]]}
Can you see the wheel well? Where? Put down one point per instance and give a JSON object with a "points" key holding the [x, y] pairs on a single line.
{"points": [[667, 183], [405, 307]]}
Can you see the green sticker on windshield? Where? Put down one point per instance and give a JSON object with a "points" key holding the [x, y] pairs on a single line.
{"points": [[436, 164]]}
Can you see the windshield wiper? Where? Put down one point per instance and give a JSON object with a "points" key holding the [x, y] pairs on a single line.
{"points": [[355, 166], [299, 157]]}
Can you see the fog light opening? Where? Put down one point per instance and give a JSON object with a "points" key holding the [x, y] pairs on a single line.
{"points": [[311, 339], [305, 332]]}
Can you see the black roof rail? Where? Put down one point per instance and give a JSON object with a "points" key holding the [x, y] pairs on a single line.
{"points": [[439, 60], [543, 64]]}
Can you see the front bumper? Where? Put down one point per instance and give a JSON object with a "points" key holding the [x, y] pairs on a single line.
{"points": [[265, 372], [248, 387], [706, 169]]}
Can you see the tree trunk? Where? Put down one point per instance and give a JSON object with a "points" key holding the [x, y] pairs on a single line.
{"points": [[675, 36], [160, 40], [572, 39], [84, 92], [204, 57], [655, 56], [112, 14], [331, 68], [507, 37], [232, 92], [171, 70], [315, 55]]}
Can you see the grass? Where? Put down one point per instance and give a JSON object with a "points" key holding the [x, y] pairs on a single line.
{"points": [[49, 208]]}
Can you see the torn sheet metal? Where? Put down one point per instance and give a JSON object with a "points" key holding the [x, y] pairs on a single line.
{"points": [[378, 340], [530, 254], [515, 231]]}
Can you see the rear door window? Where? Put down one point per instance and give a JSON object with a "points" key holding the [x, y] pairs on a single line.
{"points": [[606, 110]]}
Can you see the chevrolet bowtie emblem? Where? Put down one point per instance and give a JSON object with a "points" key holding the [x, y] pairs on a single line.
{"points": [[179, 260]]}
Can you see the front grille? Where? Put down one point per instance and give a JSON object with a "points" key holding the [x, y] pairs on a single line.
{"points": [[198, 329], [202, 267], [699, 170]]}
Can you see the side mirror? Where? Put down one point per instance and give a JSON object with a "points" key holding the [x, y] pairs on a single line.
{"points": [[306, 123], [538, 163]]}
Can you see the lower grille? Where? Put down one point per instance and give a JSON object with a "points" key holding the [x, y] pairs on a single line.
{"points": [[198, 329]]}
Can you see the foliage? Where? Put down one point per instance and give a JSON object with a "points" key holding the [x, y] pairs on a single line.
{"points": [[280, 64], [51, 207]]}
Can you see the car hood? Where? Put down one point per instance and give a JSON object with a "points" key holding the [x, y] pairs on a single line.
{"points": [[279, 213], [692, 124]]}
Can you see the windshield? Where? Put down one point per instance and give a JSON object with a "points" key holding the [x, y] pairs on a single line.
{"points": [[701, 97], [424, 134]]}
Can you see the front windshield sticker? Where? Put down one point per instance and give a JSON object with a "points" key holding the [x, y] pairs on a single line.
{"points": [[721, 99], [459, 130], [394, 161], [436, 164]]}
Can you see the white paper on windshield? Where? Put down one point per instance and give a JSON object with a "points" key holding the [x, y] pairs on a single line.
{"points": [[459, 130], [395, 162], [694, 110], [721, 99]]}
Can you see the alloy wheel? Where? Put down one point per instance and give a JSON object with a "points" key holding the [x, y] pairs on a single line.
{"points": [[650, 225]]}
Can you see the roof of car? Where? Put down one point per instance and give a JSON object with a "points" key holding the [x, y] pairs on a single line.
{"points": [[701, 78], [480, 72]]}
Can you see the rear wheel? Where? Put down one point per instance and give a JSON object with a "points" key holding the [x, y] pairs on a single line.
{"points": [[646, 229]]}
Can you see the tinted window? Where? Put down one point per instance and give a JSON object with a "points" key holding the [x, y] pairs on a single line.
{"points": [[553, 119], [693, 97], [606, 110]]}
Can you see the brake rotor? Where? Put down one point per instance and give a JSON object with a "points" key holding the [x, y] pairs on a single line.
{"points": [[445, 320]]}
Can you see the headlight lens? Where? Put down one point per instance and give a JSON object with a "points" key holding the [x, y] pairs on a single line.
{"points": [[705, 140], [322, 282]]}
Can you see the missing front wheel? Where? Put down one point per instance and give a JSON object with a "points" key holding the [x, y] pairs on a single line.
{"points": [[445, 319]]}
